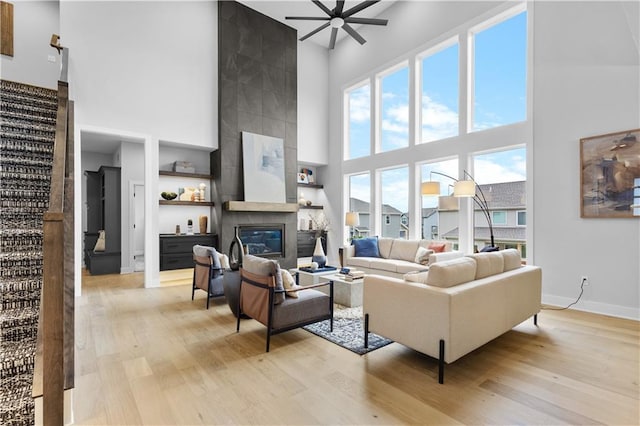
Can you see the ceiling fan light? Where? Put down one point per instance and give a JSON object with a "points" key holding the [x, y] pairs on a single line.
{"points": [[337, 22]]}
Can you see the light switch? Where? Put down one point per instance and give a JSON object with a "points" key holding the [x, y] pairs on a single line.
{"points": [[51, 58]]}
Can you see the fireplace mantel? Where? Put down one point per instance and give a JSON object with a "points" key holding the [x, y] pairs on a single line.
{"points": [[252, 206]]}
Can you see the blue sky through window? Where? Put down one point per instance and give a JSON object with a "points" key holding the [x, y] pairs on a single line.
{"points": [[395, 110], [440, 88]]}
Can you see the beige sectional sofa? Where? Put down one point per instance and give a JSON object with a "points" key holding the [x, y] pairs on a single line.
{"points": [[398, 256], [455, 307]]}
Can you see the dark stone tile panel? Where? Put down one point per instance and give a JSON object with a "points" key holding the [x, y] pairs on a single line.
{"points": [[291, 37], [292, 111], [249, 71], [248, 122], [273, 53], [291, 60], [249, 99], [227, 11], [273, 105], [228, 65], [231, 153], [274, 31], [291, 135], [271, 127], [228, 36], [273, 79]]}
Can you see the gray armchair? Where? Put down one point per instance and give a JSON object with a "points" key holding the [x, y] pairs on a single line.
{"points": [[262, 297], [207, 272]]}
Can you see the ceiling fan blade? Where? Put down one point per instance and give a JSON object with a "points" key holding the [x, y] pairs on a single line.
{"points": [[353, 33], [324, 8], [367, 21], [320, 28], [339, 8], [358, 8], [332, 42], [308, 18]]}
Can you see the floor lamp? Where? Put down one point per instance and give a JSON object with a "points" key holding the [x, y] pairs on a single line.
{"points": [[352, 219], [463, 188]]}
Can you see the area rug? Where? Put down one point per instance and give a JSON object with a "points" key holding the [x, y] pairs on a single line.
{"points": [[348, 331]]}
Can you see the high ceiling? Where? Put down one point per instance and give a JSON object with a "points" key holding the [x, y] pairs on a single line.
{"points": [[279, 9]]}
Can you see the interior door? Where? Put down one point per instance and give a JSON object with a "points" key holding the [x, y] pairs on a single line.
{"points": [[138, 227]]}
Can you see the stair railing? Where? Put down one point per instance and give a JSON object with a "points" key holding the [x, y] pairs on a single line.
{"points": [[57, 290]]}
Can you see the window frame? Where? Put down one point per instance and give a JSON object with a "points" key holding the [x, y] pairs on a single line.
{"points": [[493, 220], [518, 218]]}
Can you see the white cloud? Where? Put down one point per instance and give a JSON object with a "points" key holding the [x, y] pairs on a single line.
{"points": [[488, 171], [360, 105], [438, 120]]}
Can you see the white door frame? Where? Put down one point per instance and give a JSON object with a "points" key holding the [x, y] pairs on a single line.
{"points": [[132, 220]]}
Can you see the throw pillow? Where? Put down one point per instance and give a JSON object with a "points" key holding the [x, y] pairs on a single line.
{"points": [[404, 249], [366, 247], [422, 256], [100, 244], [289, 283], [260, 266], [451, 272], [512, 259], [437, 247]]}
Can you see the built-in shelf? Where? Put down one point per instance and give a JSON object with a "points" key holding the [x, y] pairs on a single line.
{"points": [[252, 206], [184, 175], [310, 185], [186, 203], [312, 207]]}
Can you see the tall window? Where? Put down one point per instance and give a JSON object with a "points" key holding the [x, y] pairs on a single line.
{"points": [[359, 124], [502, 178], [500, 64], [394, 110], [360, 201], [440, 89], [394, 185], [440, 216]]}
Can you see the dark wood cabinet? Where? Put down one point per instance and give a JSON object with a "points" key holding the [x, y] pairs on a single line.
{"points": [[307, 242], [176, 251]]}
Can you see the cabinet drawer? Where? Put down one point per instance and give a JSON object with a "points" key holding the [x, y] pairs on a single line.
{"points": [[176, 261]]}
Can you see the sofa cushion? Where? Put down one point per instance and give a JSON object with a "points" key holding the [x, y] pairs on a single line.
{"points": [[422, 256], [404, 249], [416, 276], [512, 259], [366, 247], [383, 264], [488, 264], [363, 262], [402, 266], [384, 246], [260, 266], [451, 272]]}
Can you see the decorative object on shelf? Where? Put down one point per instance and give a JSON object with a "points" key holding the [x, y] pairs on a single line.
{"points": [[189, 227], [309, 203], [235, 251], [319, 223], [610, 175], [177, 229], [183, 167], [263, 168], [301, 200], [202, 221], [168, 195], [309, 173], [464, 188], [186, 193], [304, 225], [303, 178], [202, 187], [318, 254]]}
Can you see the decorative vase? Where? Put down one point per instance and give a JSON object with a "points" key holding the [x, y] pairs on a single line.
{"points": [[202, 220], [235, 252], [318, 254]]}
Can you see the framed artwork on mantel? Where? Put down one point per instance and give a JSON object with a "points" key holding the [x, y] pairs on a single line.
{"points": [[263, 168], [610, 175]]}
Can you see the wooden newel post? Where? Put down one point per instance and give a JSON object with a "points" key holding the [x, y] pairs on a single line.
{"points": [[53, 319]]}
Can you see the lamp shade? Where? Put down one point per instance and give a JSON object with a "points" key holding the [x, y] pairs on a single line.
{"points": [[464, 188], [448, 202], [352, 219], [431, 188]]}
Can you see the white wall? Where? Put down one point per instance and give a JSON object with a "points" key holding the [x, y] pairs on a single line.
{"points": [[313, 103], [586, 83], [148, 67], [33, 24], [131, 170]]}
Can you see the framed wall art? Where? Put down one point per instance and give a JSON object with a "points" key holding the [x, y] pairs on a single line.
{"points": [[610, 175], [263, 168]]}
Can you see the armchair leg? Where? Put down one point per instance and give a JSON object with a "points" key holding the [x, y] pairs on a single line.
{"points": [[441, 363], [193, 291], [535, 319], [208, 294], [366, 330], [268, 338]]}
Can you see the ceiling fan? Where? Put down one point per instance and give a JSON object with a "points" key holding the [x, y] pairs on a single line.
{"points": [[339, 18]]}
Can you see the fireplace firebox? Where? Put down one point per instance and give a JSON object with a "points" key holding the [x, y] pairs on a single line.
{"points": [[264, 240]]}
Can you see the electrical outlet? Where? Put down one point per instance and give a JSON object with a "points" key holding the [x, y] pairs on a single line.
{"points": [[585, 280]]}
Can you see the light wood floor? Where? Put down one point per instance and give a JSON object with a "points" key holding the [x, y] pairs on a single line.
{"points": [[152, 356]]}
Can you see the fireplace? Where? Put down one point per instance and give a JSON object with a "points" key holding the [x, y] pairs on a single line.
{"points": [[264, 240]]}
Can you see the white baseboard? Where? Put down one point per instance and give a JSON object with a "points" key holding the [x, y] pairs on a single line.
{"points": [[127, 270], [594, 307]]}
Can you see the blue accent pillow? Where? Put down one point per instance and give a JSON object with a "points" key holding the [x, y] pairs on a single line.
{"points": [[366, 247]]}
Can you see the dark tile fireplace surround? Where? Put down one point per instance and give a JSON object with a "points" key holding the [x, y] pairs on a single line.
{"points": [[257, 86]]}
